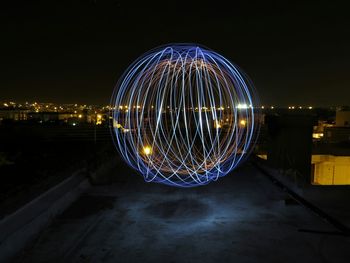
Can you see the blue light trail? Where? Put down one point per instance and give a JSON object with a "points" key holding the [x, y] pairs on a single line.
{"points": [[183, 115]]}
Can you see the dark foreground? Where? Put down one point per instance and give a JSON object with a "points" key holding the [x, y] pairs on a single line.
{"points": [[241, 218]]}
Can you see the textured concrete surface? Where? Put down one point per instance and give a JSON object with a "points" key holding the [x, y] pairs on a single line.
{"points": [[21, 227], [241, 218]]}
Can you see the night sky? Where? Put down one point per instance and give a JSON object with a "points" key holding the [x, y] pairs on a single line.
{"points": [[75, 51]]}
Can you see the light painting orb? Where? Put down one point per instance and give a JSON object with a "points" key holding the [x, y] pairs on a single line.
{"points": [[183, 115]]}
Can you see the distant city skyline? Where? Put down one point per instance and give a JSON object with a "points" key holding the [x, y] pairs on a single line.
{"points": [[14, 103]]}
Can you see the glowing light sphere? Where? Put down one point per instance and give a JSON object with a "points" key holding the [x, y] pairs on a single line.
{"points": [[183, 115]]}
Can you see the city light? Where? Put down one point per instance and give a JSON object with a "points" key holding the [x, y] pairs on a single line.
{"points": [[217, 125], [147, 150], [317, 135], [242, 106], [98, 119]]}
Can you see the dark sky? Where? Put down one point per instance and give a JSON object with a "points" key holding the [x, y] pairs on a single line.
{"points": [[75, 51]]}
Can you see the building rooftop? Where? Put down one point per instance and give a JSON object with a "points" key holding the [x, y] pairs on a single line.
{"points": [[241, 218]]}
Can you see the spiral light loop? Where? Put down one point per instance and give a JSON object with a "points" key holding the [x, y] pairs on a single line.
{"points": [[183, 115]]}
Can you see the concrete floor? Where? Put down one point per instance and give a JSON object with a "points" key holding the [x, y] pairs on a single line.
{"points": [[241, 218]]}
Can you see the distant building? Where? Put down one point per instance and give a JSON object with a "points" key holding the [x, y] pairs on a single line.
{"points": [[43, 116], [342, 119], [336, 134], [68, 117], [330, 170], [13, 114], [318, 131], [64, 116], [340, 133]]}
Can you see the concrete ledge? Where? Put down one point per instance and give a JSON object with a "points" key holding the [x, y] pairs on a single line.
{"points": [[303, 196], [285, 177], [19, 228]]}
